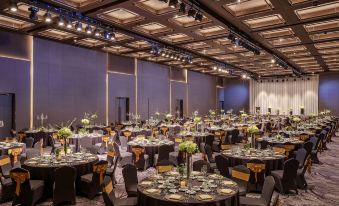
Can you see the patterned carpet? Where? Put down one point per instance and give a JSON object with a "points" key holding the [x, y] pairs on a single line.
{"points": [[322, 190]]}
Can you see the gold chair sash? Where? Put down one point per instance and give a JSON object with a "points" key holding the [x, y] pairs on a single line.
{"points": [[101, 170], [127, 134], [303, 137], [5, 161], [105, 140], [138, 152], [308, 164], [109, 187], [164, 168], [240, 175], [256, 168], [178, 139], [19, 178]]}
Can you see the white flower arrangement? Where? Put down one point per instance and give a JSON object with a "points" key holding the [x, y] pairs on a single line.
{"points": [[85, 121], [296, 119], [195, 113], [168, 116]]}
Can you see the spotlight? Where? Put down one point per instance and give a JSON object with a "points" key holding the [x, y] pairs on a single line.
{"points": [[173, 3], [13, 7], [78, 26], [48, 17], [244, 76], [272, 60], [33, 14], [163, 54], [182, 8], [89, 29], [96, 32], [69, 24], [214, 68], [191, 12], [61, 21]]}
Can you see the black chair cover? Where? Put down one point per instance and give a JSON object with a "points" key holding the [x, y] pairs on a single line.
{"points": [[64, 185]]}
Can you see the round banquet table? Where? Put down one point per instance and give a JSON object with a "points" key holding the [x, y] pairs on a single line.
{"points": [[274, 142], [271, 162], [45, 172], [150, 149], [161, 198]]}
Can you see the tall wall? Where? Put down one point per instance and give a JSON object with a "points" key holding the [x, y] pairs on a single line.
{"points": [[69, 81], [329, 92], [236, 95]]}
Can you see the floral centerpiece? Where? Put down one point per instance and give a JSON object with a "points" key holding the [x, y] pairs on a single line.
{"points": [[65, 133], [296, 120], [212, 113], [243, 116], [85, 122], [253, 130], [197, 119], [168, 116], [188, 148]]}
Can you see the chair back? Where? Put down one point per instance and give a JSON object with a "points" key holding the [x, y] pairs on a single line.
{"points": [[222, 163], [5, 165], [64, 184], [290, 169], [164, 166], [164, 130], [138, 157], [29, 142], [268, 189], [301, 155], [20, 177], [164, 151], [197, 165], [308, 147], [99, 171], [209, 140], [315, 142], [14, 154], [108, 192], [129, 173], [127, 134], [257, 170], [209, 153], [280, 150], [241, 173]]}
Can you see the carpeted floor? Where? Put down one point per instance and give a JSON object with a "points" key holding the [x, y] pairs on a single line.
{"points": [[322, 190]]}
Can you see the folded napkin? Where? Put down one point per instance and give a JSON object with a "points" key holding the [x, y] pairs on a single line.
{"points": [[174, 197], [228, 183], [152, 191], [146, 183], [226, 191], [205, 197]]}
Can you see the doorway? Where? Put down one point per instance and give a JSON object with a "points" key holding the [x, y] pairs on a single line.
{"points": [[122, 109], [179, 108], [7, 114]]}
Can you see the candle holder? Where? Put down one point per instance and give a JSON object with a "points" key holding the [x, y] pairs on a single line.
{"points": [[42, 118]]}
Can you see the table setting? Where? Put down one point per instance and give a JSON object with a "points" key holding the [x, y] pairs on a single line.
{"points": [[201, 189]]}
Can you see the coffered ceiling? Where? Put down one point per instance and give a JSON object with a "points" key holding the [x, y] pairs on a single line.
{"points": [[303, 33]]}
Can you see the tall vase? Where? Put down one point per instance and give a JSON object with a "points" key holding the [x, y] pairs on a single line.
{"points": [[252, 140], [188, 165], [65, 145]]}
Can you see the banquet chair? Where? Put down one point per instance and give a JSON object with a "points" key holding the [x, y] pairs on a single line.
{"points": [[300, 155], [210, 157], [129, 173], [29, 142], [163, 153], [198, 165], [219, 135], [5, 165], [241, 175], [176, 158], [124, 158], [304, 136], [64, 185], [257, 174], [265, 197], [279, 149], [90, 184], [164, 166], [103, 144], [27, 192], [314, 153], [112, 159], [110, 199], [222, 163], [285, 179], [127, 134], [164, 130], [140, 159], [7, 189]]}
